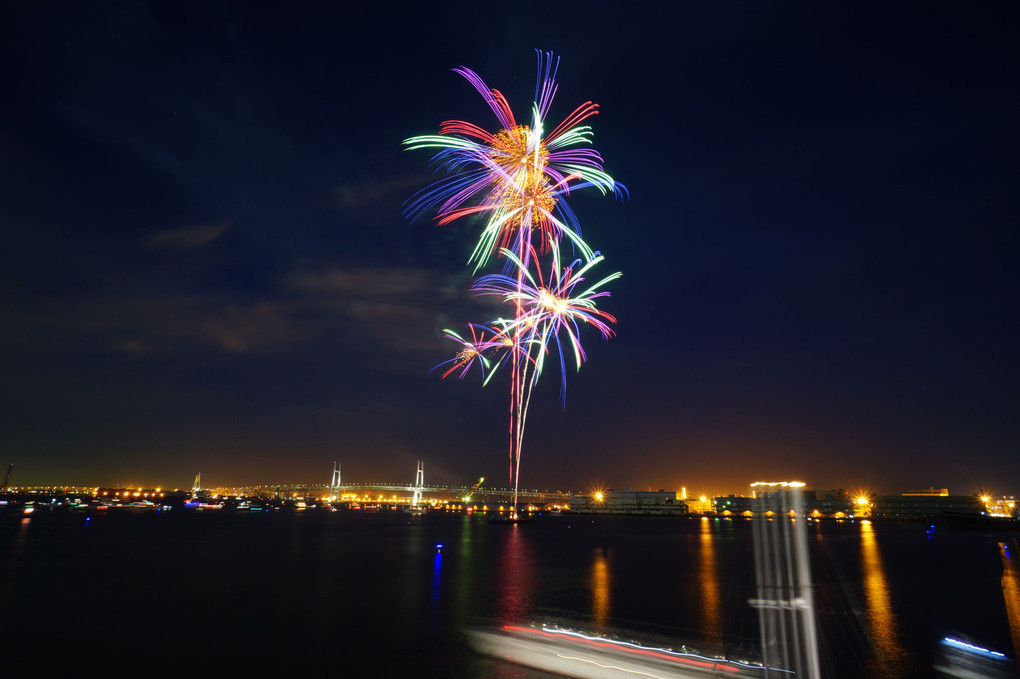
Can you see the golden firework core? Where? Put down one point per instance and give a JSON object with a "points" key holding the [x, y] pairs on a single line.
{"points": [[528, 194], [551, 302]]}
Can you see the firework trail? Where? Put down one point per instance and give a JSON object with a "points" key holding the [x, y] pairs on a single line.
{"points": [[515, 181]]}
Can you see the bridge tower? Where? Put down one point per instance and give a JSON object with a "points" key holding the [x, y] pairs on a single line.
{"points": [[197, 486], [334, 484], [419, 484], [789, 636]]}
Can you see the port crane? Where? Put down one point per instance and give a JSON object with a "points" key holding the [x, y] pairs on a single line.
{"points": [[474, 489]]}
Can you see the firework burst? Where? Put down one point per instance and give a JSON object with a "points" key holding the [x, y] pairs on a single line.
{"points": [[552, 309], [516, 180]]}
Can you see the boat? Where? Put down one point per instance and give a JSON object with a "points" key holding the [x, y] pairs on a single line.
{"points": [[139, 507], [511, 519], [570, 653], [201, 504]]}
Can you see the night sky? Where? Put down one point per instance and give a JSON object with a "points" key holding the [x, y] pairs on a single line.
{"points": [[205, 267]]}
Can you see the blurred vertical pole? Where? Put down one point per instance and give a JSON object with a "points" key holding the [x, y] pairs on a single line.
{"points": [[786, 613]]}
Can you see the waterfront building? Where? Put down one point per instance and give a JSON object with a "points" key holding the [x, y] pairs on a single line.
{"points": [[931, 491], [651, 502], [924, 505], [828, 504], [733, 505], [1003, 507], [701, 505]]}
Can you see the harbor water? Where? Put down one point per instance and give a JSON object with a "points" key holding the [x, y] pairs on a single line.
{"points": [[297, 591]]}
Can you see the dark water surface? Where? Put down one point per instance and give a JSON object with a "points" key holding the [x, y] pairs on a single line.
{"points": [[298, 591]]}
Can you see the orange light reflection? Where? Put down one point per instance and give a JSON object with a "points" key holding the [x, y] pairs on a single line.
{"points": [[1011, 589], [711, 602], [890, 655], [600, 595]]}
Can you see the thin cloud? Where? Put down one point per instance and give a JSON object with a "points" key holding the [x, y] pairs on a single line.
{"points": [[369, 193], [186, 238], [366, 283], [141, 327], [394, 308]]}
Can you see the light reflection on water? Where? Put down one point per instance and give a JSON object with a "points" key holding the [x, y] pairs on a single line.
{"points": [[1011, 589], [711, 600], [464, 563], [889, 654], [350, 576], [14, 558], [515, 583], [600, 583]]}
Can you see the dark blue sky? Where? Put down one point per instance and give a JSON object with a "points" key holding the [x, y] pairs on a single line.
{"points": [[205, 267]]}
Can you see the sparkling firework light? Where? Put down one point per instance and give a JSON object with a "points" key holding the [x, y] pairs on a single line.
{"points": [[516, 182], [548, 308]]}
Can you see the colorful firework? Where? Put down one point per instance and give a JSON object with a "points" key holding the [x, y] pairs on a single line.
{"points": [[549, 308], [516, 180]]}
